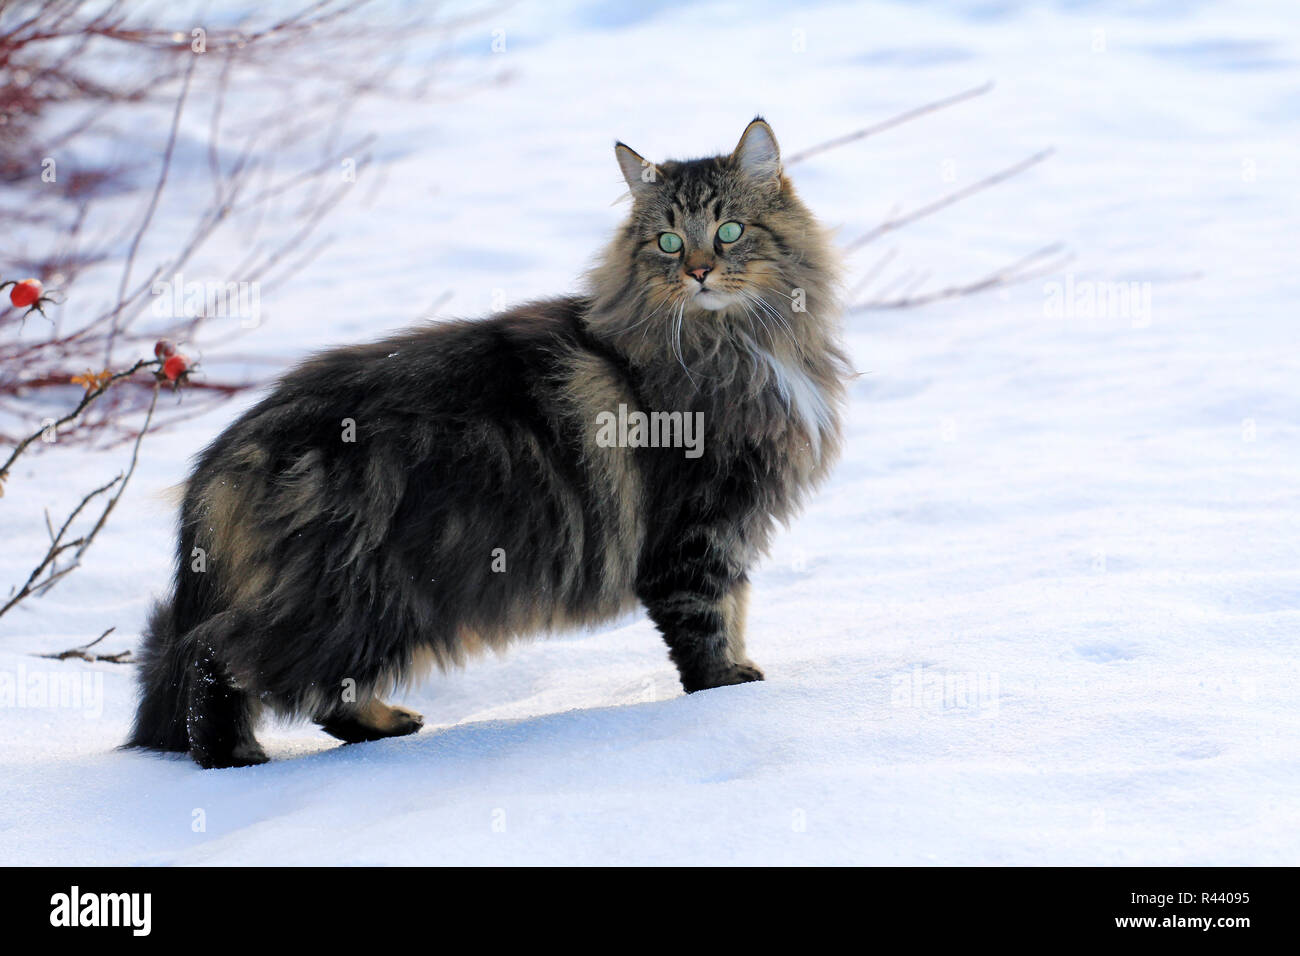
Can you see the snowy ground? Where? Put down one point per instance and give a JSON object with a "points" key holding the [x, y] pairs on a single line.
{"points": [[1045, 611]]}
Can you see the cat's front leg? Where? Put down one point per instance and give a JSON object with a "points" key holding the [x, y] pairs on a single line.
{"points": [[699, 603]]}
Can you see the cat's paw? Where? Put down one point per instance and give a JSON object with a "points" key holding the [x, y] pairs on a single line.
{"points": [[374, 720], [739, 673], [244, 754], [405, 721]]}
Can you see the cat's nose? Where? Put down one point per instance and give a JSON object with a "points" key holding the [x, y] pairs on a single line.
{"points": [[700, 274]]}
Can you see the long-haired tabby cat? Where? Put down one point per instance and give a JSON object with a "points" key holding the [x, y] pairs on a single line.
{"points": [[392, 506]]}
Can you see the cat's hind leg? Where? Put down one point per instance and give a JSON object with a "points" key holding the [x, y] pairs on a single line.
{"points": [[371, 720], [220, 717]]}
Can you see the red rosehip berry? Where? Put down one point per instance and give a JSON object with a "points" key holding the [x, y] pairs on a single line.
{"points": [[175, 366], [25, 293], [164, 349]]}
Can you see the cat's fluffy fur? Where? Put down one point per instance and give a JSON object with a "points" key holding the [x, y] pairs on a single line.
{"points": [[475, 504]]}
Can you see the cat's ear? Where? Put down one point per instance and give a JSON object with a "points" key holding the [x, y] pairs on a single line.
{"points": [[757, 155], [642, 175]]}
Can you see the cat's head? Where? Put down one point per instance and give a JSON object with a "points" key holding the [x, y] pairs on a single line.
{"points": [[726, 234]]}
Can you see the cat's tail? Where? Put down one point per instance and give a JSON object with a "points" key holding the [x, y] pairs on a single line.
{"points": [[166, 669]]}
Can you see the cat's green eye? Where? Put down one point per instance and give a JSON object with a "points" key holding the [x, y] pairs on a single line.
{"points": [[730, 231], [670, 241]]}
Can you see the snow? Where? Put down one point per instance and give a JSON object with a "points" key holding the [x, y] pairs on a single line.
{"points": [[1045, 610]]}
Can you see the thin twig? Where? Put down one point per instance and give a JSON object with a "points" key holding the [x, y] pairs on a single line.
{"points": [[943, 202], [82, 652], [1015, 272], [893, 121], [117, 495], [56, 548], [34, 584], [153, 205], [86, 401]]}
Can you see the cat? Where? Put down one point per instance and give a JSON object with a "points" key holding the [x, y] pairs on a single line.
{"points": [[400, 505]]}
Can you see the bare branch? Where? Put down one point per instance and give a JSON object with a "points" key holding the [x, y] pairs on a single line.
{"points": [[34, 584], [889, 225], [1040, 262], [57, 547], [901, 118], [83, 653], [86, 401], [150, 209]]}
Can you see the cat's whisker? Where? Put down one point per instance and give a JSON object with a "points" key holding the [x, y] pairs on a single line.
{"points": [[773, 313], [756, 316], [785, 322], [668, 297], [672, 297], [677, 344]]}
